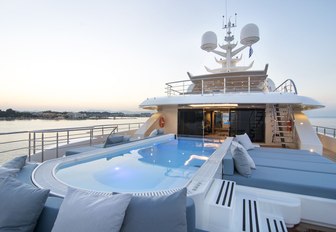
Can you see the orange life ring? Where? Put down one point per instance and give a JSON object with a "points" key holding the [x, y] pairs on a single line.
{"points": [[161, 122]]}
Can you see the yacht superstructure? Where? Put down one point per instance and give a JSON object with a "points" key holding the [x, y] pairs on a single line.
{"points": [[233, 99]]}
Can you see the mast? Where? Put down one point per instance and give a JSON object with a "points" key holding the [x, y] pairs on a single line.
{"points": [[249, 35]]}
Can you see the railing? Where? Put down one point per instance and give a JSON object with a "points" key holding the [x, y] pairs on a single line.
{"points": [[288, 86], [41, 141], [325, 131], [213, 86]]}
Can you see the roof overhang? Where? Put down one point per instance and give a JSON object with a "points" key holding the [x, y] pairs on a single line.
{"points": [[301, 102]]}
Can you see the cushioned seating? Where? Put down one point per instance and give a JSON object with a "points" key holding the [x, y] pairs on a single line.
{"points": [[111, 140], [288, 154], [293, 181], [295, 165], [52, 205], [287, 170], [25, 173]]}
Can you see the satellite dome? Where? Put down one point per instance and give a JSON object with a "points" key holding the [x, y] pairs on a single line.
{"points": [[209, 41], [249, 34]]}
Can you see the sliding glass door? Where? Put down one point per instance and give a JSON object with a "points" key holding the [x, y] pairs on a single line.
{"points": [[190, 122], [251, 122]]}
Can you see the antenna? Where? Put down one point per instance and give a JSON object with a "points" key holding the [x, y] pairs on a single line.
{"points": [[235, 19]]}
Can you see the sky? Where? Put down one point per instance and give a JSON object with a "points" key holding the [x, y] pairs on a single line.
{"points": [[111, 55]]}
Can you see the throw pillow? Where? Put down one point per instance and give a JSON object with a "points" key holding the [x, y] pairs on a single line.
{"points": [[250, 160], [245, 141], [84, 211], [157, 213], [5, 172], [21, 205], [16, 163], [241, 162]]}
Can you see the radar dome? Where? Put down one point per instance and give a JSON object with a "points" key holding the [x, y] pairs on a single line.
{"points": [[249, 34], [209, 41]]}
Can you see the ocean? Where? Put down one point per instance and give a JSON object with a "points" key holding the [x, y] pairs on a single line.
{"points": [[39, 124]]}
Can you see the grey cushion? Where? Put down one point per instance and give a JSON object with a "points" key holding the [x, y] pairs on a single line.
{"points": [[49, 213], [228, 164], [5, 172], [26, 172], [245, 141], [113, 139], [21, 205], [85, 211], [242, 148], [16, 163], [241, 161], [157, 213]]}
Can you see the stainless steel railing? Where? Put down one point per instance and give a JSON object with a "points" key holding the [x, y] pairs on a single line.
{"points": [[288, 86], [41, 141], [325, 131]]}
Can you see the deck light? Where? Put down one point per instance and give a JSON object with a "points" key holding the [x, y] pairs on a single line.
{"points": [[213, 105]]}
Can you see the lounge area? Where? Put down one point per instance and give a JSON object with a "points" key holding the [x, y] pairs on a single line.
{"points": [[288, 170], [29, 208]]}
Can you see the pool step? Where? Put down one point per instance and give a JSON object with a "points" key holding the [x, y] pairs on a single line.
{"points": [[250, 215], [221, 202], [225, 194], [272, 224]]}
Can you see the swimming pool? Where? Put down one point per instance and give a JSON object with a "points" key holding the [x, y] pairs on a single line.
{"points": [[155, 167]]}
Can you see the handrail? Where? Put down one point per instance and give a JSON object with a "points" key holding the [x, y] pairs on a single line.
{"points": [[40, 141], [327, 131], [283, 87]]}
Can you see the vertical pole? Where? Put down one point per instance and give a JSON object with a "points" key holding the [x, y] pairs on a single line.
{"points": [[91, 136], [42, 146], [183, 87], [34, 143], [56, 144], [202, 86], [224, 85], [248, 84], [68, 135], [29, 146]]}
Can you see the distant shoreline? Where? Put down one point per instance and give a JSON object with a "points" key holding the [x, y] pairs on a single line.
{"points": [[10, 114]]}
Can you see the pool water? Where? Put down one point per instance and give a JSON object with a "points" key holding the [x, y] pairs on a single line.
{"points": [[152, 168]]}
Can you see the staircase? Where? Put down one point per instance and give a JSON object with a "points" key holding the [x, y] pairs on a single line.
{"points": [[232, 209], [283, 126]]}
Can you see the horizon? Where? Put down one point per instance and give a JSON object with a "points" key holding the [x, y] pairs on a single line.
{"points": [[81, 55]]}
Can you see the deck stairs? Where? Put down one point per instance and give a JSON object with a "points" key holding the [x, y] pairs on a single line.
{"points": [[283, 126], [230, 209]]}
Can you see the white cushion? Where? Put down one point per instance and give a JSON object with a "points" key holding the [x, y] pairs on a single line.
{"points": [[249, 158], [83, 211], [245, 141]]}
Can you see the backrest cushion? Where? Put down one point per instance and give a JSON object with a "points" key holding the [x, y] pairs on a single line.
{"points": [[245, 141], [157, 213], [113, 139], [21, 205], [250, 160], [84, 211], [16, 163], [241, 162]]}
